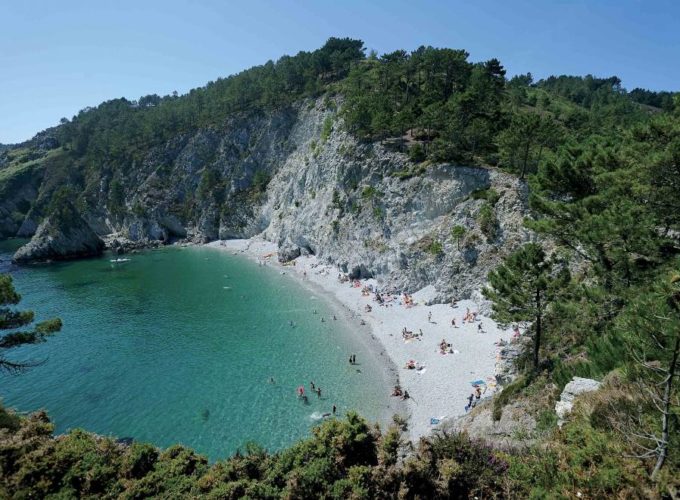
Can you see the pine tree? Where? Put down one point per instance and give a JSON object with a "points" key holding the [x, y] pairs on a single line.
{"points": [[652, 330], [523, 287], [11, 319]]}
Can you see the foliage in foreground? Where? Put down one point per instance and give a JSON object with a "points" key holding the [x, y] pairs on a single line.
{"points": [[13, 322], [342, 459]]}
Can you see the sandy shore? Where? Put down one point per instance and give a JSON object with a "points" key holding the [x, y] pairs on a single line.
{"points": [[440, 389]]}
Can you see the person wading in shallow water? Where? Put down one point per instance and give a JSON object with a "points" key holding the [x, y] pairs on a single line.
{"points": [[334, 409]]}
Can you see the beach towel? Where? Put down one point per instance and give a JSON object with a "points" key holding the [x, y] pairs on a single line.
{"points": [[478, 382]]}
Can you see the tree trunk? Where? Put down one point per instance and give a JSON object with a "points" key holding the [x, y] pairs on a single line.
{"points": [[537, 337], [665, 421]]}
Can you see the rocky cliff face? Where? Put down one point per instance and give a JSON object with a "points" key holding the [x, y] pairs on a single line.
{"points": [[299, 179], [59, 238]]}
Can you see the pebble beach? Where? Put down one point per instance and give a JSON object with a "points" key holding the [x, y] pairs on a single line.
{"points": [[440, 384]]}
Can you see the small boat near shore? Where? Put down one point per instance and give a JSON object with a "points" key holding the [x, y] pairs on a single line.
{"points": [[119, 260]]}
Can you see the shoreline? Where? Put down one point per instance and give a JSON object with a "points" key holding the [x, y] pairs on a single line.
{"points": [[440, 390]]}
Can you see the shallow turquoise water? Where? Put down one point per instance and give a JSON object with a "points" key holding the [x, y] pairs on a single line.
{"points": [[178, 345]]}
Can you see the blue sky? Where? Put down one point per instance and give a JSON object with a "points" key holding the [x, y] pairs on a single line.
{"points": [[58, 57]]}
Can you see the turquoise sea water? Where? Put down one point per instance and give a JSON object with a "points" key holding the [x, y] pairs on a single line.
{"points": [[178, 345]]}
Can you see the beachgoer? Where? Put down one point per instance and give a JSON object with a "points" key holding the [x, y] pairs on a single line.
{"points": [[429, 317], [350, 360], [318, 392], [334, 409], [334, 318], [322, 319], [479, 328], [354, 359], [271, 380], [478, 393], [311, 384], [406, 395]]}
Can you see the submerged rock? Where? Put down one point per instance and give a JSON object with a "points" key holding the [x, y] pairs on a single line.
{"points": [[62, 235]]}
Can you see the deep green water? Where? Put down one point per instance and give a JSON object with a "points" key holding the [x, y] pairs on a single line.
{"points": [[178, 345]]}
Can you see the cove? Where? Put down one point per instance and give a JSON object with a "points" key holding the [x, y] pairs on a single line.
{"points": [[178, 346]]}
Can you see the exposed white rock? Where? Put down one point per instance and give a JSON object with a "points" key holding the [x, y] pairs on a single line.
{"points": [[577, 386]]}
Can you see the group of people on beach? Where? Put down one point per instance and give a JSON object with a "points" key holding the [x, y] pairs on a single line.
{"points": [[408, 334], [474, 397], [397, 392], [445, 347], [470, 316]]}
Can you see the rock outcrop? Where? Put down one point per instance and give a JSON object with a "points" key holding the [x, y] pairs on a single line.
{"points": [[577, 386], [61, 236], [516, 426]]}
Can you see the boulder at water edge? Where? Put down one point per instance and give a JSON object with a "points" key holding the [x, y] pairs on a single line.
{"points": [[62, 235]]}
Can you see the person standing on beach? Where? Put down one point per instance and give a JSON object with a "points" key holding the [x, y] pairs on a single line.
{"points": [[429, 317], [354, 359], [350, 360]]}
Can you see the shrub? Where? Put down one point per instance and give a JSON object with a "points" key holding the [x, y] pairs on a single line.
{"points": [[488, 194], [486, 218], [326, 129], [435, 248], [417, 153]]}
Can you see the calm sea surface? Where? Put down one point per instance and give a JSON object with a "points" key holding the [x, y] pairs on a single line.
{"points": [[178, 345]]}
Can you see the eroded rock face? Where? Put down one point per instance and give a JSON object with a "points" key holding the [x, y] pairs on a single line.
{"points": [[60, 238], [577, 386]]}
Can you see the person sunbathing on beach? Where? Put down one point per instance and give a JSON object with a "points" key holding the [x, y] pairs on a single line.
{"points": [[397, 391], [411, 364], [405, 396]]}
